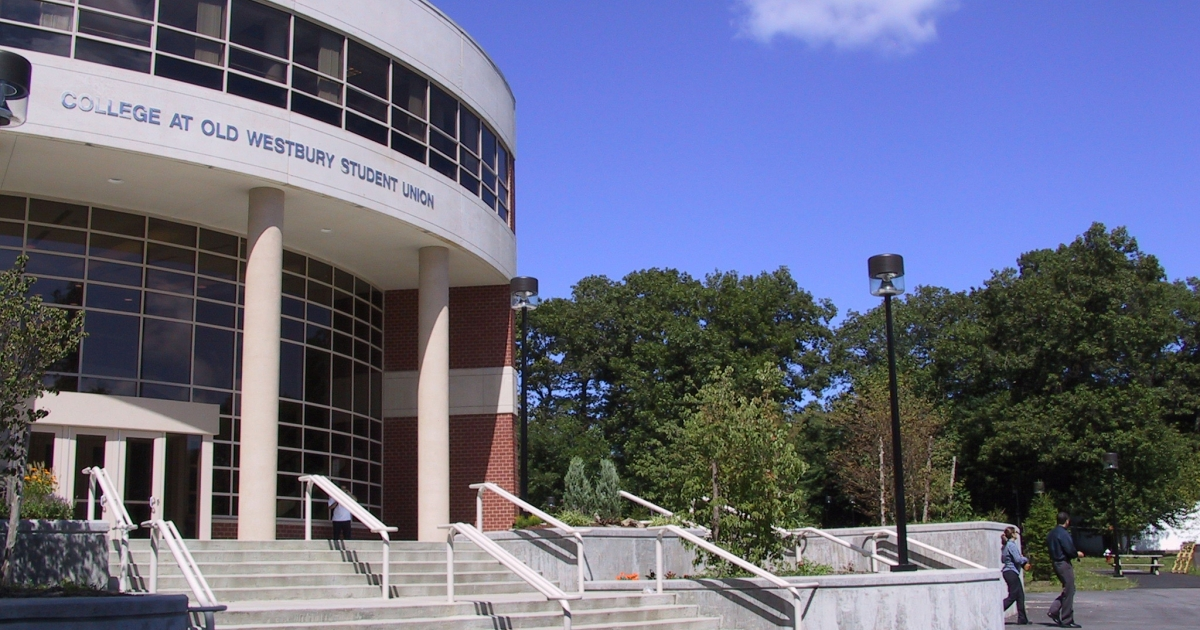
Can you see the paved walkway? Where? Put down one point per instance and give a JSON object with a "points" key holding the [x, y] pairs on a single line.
{"points": [[1163, 602]]}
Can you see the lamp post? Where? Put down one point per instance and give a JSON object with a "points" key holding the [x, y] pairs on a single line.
{"points": [[887, 279], [1110, 461], [524, 298]]}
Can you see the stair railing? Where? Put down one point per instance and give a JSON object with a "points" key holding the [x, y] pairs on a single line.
{"points": [[357, 511], [118, 517], [531, 577], [871, 553], [508, 496], [774, 580], [657, 508], [165, 531], [883, 532]]}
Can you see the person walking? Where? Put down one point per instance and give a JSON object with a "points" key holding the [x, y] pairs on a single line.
{"points": [[1010, 555], [342, 524], [1062, 553]]}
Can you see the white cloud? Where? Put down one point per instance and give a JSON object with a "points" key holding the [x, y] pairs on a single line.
{"points": [[894, 25]]}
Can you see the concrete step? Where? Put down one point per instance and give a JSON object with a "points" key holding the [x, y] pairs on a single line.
{"points": [[311, 555], [364, 589], [657, 612], [177, 582], [416, 570]]}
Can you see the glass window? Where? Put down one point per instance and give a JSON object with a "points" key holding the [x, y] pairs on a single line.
{"points": [[469, 137], [115, 28], [289, 460], [12, 208], [443, 111], [206, 17], [35, 40], [52, 265], [110, 55], [362, 103], [172, 232], [214, 290], [367, 70], [370, 130], [168, 257], [214, 313], [316, 417], [291, 371], [321, 294], [54, 291], [318, 86], [446, 145], [290, 436], [116, 248], [113, 298], [188, 72], [167, 281], [320, 271], [56, 239], [317, 109], [293, 285], [118, 222], [316, 376], [256, 90], [111, 345], [343, 380], [58, 213], [407, 146], [408, 124], [172, 306], [167, 351], [218, 266], [214, 357], [137, 8], [469, 162], [114, 273], [502, 163], [165, 392], [218, 242], [258, 65], [11, 234], [262, 28], [318, 48], [190, 46], [38, 13], [489, 148], [408, 90], [442, 165]]}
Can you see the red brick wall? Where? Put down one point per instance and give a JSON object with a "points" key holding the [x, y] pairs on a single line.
{"points": [[481, 328], [482, 448]]}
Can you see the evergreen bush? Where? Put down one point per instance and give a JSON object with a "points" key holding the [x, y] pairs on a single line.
{"points": [[578, 495], [1043, 517], [607, 492]]}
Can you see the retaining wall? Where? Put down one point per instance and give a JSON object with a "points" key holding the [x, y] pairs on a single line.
{"points": [[51, 552]]}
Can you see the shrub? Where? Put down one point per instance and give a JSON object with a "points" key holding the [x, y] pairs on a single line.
{"points": [[39, 500], [578, 494], [607, 492], [575, 518], [525, 521]]}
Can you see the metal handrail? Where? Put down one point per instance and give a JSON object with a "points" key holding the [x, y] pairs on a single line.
{"points": [[161, 530], [508, 496], [357, 511], [121, 522], [775, 580], [657, 508], [916, 543], [875, 557], [523, 571]]}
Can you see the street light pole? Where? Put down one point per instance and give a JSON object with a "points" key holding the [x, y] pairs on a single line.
{"points": [[887, 279], [524, 298], [1111, 461]]}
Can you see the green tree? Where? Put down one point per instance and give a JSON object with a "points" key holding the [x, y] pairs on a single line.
{"points": [[614, 365], [1043, 517], [33, 336], [607, 490], [735, 455], [579, 495]]}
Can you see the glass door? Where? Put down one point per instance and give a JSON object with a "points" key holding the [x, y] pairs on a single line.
{"points": [[181, 481], [139, 481], [90, 450]]}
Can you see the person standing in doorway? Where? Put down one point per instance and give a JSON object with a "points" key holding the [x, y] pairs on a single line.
{"points": [[1014, 562], [1062, 554], [340, 516]]}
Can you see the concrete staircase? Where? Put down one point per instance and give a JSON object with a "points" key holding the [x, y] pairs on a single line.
{"points": [[299, 584]]}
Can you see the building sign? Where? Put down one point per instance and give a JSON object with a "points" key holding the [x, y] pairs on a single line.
{"points": [[245, 140]]}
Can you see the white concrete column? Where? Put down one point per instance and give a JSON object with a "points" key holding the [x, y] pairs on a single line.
{"points": [[433, 394], [260, 366]]}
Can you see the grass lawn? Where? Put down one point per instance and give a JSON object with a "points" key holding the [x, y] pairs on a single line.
{"points": [[1087, 578]]}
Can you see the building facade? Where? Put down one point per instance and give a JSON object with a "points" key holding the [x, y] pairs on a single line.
{"points": [[291, 227]]}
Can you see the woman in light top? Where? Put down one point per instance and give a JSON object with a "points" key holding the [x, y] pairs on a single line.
{"points": [[1010, 555]]}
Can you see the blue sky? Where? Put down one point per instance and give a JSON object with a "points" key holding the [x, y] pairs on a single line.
{"points": [[751, 134]]}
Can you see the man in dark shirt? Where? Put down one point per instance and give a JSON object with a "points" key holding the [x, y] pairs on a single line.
{"points": [[1062, 552]]}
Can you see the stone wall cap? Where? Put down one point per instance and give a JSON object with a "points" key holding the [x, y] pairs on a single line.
{"points": [[850, 580], [45, 526], [18, 608]]}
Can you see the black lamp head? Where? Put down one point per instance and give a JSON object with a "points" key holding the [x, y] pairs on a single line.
{"points": [[1110, 461], [15, 76], [887, 274], [524, 292]]}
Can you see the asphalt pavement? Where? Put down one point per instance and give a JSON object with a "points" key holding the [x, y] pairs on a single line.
{"points": [[1161, 602]]}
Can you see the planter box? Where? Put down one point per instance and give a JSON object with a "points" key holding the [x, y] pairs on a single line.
{"points": [[51, 552], [121, 612]]}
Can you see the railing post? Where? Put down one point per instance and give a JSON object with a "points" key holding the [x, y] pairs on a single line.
{"points": [[91, 509], [450, 565], [579, 560], [799, 623], [874, 542], [154, 540], [566, 606], [479, 508], [658, 562], [308, 509], [387, 567]]}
